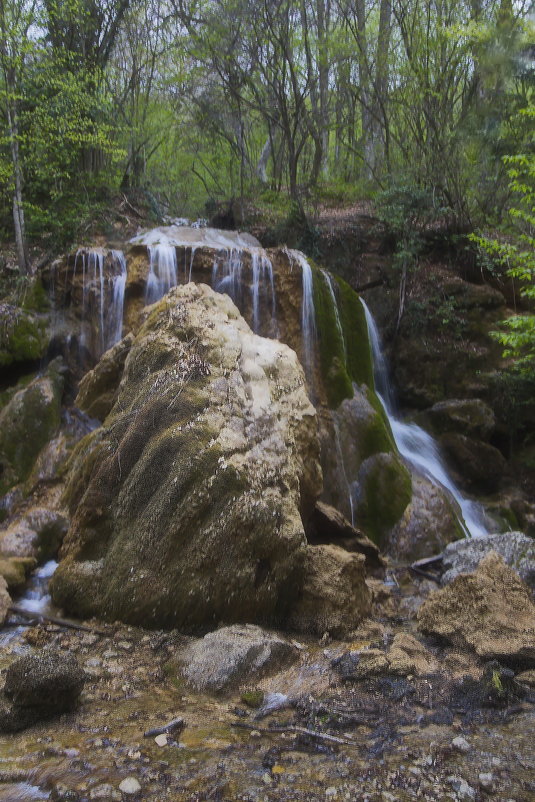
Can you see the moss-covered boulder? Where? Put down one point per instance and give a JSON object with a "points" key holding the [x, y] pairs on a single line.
{"points": [[383, 493], [190, 494], [27, 423], [23, 336]]}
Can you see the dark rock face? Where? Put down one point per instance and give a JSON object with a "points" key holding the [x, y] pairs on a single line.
{"points": [[477, 466], [40, 686], [467, 416]]}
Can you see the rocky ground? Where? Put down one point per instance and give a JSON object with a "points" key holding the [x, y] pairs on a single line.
{"points": [[409, 720]]}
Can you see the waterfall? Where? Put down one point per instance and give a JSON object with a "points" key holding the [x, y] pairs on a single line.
{"points": [[162, 271], [417, 446], [262, 269], [115, 326], [106, 292], [330, 284], [308, 316]]}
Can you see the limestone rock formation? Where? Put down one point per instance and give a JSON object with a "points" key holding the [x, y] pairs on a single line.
{"points": [[187, 502], [22, 336], [517, 550], [489, 611], [229, 656], [334, 597]]}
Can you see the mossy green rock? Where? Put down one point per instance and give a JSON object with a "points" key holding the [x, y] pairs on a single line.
{"points": [[384, 491], [27, 423], [22, 336], [186, 503]]}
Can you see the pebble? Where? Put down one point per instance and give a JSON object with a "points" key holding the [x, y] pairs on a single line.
{"points": [[134, 754], [255, 734], [461, 744], [331, 792], [266, 778], [461, 787], [106, 792], [130, 786], [125, 645], [486, 780], [161, 740]]}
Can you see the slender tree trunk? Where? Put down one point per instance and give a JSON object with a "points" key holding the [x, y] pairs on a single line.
{"points": [[261, 167], [18, 208]]}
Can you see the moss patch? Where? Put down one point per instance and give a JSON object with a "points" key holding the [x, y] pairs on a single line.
{"points": [[22, 336], [385, 492], [342, 336]]}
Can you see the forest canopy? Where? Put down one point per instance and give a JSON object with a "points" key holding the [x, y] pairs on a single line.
{"points": [[192, 101]]}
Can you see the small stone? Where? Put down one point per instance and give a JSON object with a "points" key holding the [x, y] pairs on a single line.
{"points": [[106, 792], [255, 734], [486, 780], [331, 792], [130, 786], [125, 645], [89, 639], [161, 740], [461, 744], [461, 787], [266, 778], [134, 754]]}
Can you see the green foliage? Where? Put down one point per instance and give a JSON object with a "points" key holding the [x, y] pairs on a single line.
{"points": [[517, 256]]}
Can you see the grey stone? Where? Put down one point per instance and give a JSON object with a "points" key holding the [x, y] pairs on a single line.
{"points": [[228, 656], [517, 550]]}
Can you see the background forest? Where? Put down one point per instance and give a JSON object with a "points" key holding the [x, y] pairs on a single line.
{"points": [[193, 101]]}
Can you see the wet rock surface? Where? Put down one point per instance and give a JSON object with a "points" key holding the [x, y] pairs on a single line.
{"points": [[378, 737], [517, 550]]}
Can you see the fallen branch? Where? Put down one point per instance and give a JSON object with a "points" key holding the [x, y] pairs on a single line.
{"points": [[322, 736], [40, 618], [166, 729]]}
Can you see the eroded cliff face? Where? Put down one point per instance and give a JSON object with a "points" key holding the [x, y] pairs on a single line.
{"points": [[188, 502]]}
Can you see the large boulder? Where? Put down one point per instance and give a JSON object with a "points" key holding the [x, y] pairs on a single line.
{"points": [[428, 524], [517, 550], [27, 423], [187, 502], [334, 597], [23, 336], [468, 416], [232, 655], [477, 466], [490, 612]]}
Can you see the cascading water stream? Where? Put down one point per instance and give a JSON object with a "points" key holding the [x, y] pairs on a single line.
{"points": [[117, 308], [417, 446], [308, 316], [162, 271]]}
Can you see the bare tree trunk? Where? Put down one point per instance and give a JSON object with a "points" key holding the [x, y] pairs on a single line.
{"points": [[261, 167], [18, 208]]}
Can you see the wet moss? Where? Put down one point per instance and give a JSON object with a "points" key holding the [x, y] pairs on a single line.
{"points": [[336, 380], [385, 492], [27, 423], [353, 320], [22, 337]]}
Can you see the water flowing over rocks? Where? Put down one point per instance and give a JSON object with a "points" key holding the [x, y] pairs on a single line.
{"points": [[229, 656], [489, 611], [187, 503], [517, 550]]}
